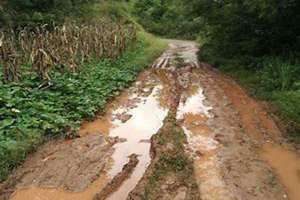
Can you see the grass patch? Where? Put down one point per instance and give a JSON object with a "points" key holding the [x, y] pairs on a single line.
{"points": [[278, 83], [172, 161], [29, 115]]}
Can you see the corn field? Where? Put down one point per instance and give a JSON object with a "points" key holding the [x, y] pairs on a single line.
{"points": [[68, 45]]}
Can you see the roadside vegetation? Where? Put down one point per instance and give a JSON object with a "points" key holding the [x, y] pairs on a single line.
{"points": [[166, 18], [20, 13], [54, 75], [257, 42], [61, 61]]}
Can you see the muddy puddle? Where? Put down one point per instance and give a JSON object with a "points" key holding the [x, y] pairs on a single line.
{"points": [[193, 113], [286, 164], [146, 119], [36, 193], [133, 118], [223, 141], [193, 104]]}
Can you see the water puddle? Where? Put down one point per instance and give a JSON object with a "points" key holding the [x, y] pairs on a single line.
{"points": [[36, 193], [133, 118], [194, 113], [194, 104], [147, 118], [287, 166]]}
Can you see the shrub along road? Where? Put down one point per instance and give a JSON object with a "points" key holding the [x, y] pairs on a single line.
{"points": [[182, 131]]}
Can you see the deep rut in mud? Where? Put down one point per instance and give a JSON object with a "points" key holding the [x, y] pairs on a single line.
{"points": [[182, 131]]}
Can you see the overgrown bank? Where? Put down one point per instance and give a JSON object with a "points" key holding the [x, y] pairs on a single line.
{"points": [[30, 114], [255, 41], [268, 85]]}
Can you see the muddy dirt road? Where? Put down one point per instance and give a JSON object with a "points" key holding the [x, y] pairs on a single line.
{"points": [[182, 131]]}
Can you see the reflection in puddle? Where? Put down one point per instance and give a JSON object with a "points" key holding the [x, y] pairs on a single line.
{"points": [[287, 166], [133, 117], [147, 118], [203, 147], [194, 105]]}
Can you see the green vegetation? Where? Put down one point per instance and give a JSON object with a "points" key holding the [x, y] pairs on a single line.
{"points": [[29, 114], [269, 85], [257, 41], [61, 61], [171, 160], [166, 18], [20, 13]]}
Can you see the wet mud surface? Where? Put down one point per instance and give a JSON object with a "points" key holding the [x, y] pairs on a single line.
{"points": [[252, 158], [181, 131]]}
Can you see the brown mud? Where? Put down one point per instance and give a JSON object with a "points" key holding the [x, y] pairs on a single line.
{"points": [[116, 182], [62, 166], [286, 164], [263, 135], [120, 128], [182, 131]]}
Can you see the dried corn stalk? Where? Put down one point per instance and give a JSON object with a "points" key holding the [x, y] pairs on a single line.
{"points": [[9, 59], [67, 46]]}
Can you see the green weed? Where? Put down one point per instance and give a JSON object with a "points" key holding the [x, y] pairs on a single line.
{"points": [[30, 114], [276, 82], [279, 75]]}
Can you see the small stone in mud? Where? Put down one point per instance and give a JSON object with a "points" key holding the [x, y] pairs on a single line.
{"points": [[146, 90], [124, 118], [199, 153], [145, 141], [117, 140], [218, 137]]}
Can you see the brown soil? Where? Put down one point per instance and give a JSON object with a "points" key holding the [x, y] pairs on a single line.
{"points": [[264, 173], [66, 165], [182, 131], [117, 181]]}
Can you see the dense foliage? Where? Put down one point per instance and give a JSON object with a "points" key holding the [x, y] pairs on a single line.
{"points": [[28, 113], [231, 28], [260, 39], [42, 95], [31, 12], [166, 18], [256, 40], [250, 29]]}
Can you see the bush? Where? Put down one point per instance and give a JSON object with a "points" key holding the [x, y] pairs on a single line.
{"points": [[29, 114], [279, 75], [17, 13], [166, 18], [288, 104]]}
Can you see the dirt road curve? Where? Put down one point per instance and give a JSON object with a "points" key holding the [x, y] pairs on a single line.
{"points": [[182, 131]]}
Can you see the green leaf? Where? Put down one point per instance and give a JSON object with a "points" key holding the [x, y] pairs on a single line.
{"points": [[6, 122]]}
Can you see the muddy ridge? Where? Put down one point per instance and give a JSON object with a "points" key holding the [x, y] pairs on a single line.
{"points": [[182, 131], [116, 182]]}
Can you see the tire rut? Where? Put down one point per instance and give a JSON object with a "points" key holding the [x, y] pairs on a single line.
{"points": [[182, 131]]}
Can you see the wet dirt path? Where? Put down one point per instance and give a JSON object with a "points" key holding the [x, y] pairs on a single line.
{"points": [[181, 131], [126, 129]]}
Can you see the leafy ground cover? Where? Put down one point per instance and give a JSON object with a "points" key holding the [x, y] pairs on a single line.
{"points": [[29, 114], [281, 88]]}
